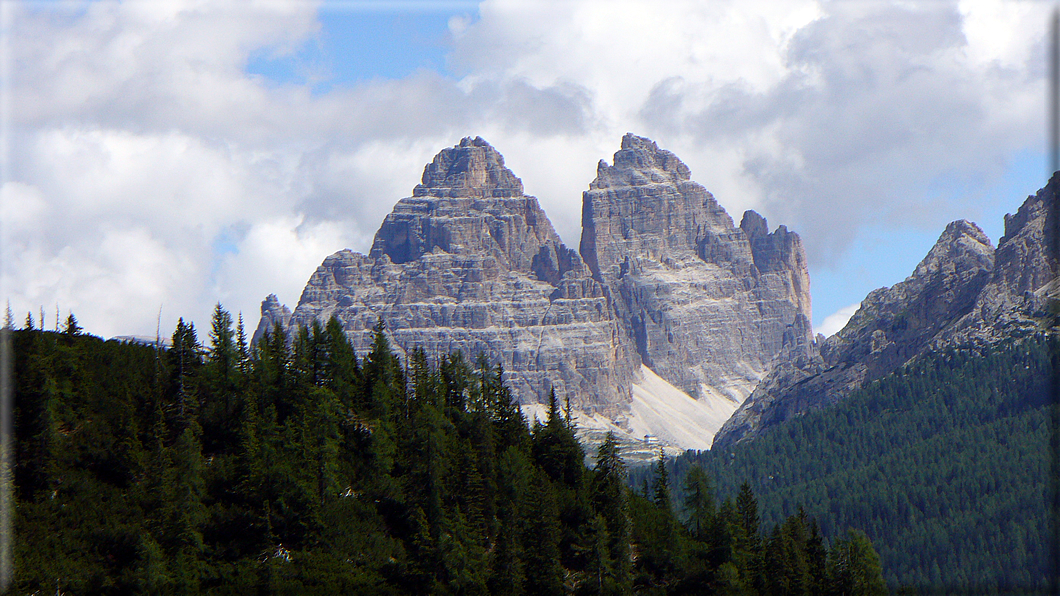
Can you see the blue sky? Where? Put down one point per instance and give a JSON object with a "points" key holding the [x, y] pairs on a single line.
{"points": [[179, 154], [359, 42]]}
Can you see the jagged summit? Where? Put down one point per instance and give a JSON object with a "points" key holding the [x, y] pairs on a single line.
{"points": [[892, 326], [962, 244], [708, 305], [964, 292], [472, 168], [470, 204], [640, 162]]}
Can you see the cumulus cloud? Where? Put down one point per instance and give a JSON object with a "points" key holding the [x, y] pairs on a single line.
{"points": [[837, 320], [147, 168]]}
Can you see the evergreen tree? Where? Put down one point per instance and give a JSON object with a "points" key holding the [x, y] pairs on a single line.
{"points": [[242, 347], [545, 576], [699, 503], [661, 490], [185, 357], [71, 328], [610, 504], [854, 567], [222, 369], [556, 450], [748, 542]]}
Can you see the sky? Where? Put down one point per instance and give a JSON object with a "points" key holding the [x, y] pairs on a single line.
{"points": [[159, 157]]}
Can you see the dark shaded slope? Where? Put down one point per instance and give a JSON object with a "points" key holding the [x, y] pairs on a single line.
{"points": [[945, 464]]}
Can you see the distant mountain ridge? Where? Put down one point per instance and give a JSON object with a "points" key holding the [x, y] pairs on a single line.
{"points": [[963, 292], [663, 279]]}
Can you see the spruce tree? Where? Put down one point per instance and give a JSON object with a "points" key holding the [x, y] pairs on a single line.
{"points": [[610, 503], [854, 567], [661, 490], [699, 503], [72, 328]]}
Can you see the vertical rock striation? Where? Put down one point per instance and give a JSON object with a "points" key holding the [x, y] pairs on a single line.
{"points": [[471, 264], [709, 306]]}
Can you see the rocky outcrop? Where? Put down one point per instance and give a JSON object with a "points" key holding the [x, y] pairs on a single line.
{"points": [[1017, 299], [709, 306], [963, 292], [664, 279]]}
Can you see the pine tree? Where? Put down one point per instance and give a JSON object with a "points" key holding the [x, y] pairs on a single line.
{"points": [[699, 503], [185, 360], [556, 450], [610, 503], [854, 567], [599, 571], [243, 347], [748, 544], [72, 328], [545, 576], [661, 490]]}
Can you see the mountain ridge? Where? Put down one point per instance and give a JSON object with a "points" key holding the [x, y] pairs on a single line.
{"points": [[963, 292]]}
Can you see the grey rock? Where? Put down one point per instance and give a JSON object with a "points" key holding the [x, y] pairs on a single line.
{"points": [[272, 313], [708, 305], [963, 292], [470, 264], [1017, 299]]}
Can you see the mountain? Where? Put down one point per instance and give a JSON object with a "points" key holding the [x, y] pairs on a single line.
{"points": [[963, 293], [470, 264], [708, 305], [668, 314]]}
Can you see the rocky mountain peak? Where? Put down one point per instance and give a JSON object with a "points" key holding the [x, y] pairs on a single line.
{"points": [[473, 168], [962, 245], [892, 326], [754, 225], [638, 163], [470, 204], [272, 313], [1027, 254], [683, 275]]}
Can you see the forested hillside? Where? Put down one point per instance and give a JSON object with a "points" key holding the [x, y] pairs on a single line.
{"points": [[946, 466], [296, 467]]}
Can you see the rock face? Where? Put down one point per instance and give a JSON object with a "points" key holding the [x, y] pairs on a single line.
{"points": [[709, 306], [470, 263], [1024, 280], [963, 292]]}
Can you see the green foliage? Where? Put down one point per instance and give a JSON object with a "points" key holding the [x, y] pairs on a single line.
{"points": [[943, 465], [295, 466]]}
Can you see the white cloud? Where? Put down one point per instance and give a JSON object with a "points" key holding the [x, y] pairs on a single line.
{"points": [[837, 320], [146, 167], [274, 256]]}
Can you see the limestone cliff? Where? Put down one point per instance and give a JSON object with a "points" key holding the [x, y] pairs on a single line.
{"points": [[708, 305]]}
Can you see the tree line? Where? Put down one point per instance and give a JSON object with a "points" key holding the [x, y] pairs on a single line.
{"points": [[296, 466]]}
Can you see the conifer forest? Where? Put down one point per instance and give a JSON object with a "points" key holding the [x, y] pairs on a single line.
{"points": [[296, 467]]}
